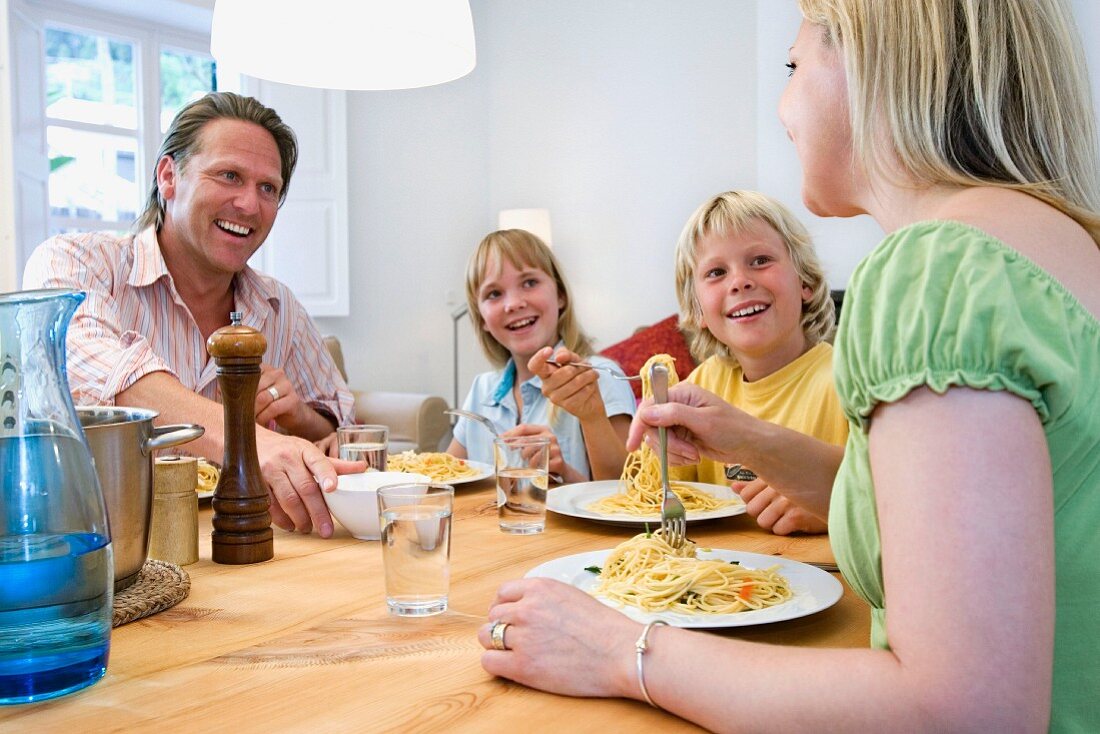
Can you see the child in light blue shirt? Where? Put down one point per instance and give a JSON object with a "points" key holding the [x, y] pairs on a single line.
{"points": [[520, 306]]}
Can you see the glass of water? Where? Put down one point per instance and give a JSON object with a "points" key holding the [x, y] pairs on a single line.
{"points": [[416, 547], [364, 443], [523, 468]]}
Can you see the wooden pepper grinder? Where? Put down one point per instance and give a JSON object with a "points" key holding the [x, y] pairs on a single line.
{"points": [[242, 523]]}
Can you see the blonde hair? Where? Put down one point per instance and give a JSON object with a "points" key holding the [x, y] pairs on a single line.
{"points": [[523, 250], [731, 213], [970, 93]]}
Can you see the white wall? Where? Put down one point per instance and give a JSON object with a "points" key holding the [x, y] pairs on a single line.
{"points": [[620, 118], [9, 279]]}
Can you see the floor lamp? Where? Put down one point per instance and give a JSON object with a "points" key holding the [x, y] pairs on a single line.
{"points": [[456, 316]]}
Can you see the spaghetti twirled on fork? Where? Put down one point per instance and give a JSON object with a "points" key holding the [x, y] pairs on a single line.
{"points": [[641, 478]]}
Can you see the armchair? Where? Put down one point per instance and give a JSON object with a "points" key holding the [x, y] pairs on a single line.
{"points": [[416, 420]]}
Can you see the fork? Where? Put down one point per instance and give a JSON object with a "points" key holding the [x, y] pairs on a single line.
{"points": [[597, 367], [673, 517]]}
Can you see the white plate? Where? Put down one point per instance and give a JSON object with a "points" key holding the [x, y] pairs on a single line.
{"points": [[483, 471], [205, 495], [573, 500], [814, 589]]}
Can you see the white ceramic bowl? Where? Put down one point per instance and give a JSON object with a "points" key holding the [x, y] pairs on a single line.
{"points": [[354, 502]]}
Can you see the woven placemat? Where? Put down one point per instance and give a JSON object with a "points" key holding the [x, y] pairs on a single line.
{"points": [[160, 585]]}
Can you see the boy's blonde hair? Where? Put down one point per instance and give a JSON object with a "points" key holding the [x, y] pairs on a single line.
{"points": [[730, 213], [523, 250], [970, 93]]}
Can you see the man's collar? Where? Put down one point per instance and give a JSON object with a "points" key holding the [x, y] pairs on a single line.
{"points": [[251, 290], [149, 264]]}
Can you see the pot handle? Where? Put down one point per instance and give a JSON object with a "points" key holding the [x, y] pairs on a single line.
{"points": [[167, 436]]}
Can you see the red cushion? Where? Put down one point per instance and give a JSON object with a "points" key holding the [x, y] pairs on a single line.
{"points": [[662, 338]]}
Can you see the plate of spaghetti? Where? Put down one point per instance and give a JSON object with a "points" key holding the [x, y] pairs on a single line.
{"points": [[636, 497], [647, 580], [440, 467], [607, 502]]}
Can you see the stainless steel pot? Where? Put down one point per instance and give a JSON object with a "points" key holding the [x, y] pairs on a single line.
{"points": [[122, 441]]}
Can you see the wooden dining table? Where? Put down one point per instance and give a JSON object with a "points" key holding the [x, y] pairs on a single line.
{"points": [[304, 642]]}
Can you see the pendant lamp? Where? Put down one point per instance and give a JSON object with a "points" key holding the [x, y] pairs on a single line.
{"points": [[345, 44]]}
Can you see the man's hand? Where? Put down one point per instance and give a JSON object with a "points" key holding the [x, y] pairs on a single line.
{"points": [[278, 401], [296, 472]]}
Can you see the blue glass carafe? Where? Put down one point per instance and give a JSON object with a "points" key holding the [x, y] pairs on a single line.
{"points": [[56, 574]]}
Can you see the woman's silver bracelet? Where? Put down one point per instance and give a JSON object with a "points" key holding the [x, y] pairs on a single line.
{"points": [[640, 647]]}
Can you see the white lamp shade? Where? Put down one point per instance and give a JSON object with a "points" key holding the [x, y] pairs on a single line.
{"points": [[535, 221], [345, 44]]}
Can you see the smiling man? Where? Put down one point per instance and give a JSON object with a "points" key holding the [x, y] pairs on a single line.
{"points": [[155, 296]]}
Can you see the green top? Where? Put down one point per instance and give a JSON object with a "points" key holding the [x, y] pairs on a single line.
{"points": [[943, 304]]}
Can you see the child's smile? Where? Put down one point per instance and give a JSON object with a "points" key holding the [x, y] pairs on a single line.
{"points": [[751, 297], [520, 308]]}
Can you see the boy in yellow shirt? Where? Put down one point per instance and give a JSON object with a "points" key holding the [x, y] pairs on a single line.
{"points": [[753, 297]]}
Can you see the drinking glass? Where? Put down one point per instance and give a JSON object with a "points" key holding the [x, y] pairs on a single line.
{"points": [[364, 443], [522, 467], [416, 547]]}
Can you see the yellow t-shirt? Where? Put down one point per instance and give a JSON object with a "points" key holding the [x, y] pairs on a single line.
{"points": [[800, 396]]}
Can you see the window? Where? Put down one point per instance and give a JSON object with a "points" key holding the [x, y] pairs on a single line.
{"points": [[101, 133]]}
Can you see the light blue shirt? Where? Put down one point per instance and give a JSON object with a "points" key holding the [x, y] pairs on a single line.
{"points": [[491, 396]]}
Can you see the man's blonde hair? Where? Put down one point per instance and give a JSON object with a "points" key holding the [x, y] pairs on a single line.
{"points": [[730, 213], [523, 250], [970, 93]]}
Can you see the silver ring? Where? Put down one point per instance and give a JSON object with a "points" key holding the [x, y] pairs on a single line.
{"points": [[496, 634], [274, 393]]}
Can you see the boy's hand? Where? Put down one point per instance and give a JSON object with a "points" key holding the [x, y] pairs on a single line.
{"points": [[775, 512]]}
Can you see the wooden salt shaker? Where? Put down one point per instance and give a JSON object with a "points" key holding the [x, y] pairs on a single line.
{"points": [[174, 528], [242, 523]]}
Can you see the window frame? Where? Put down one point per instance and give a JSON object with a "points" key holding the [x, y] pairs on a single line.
{"points": [[149, 39]]}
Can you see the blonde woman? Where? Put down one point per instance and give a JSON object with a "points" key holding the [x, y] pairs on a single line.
{"points": [[966, 507], [520, 304]]}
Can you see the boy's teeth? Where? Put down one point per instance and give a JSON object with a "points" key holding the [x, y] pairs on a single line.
{"points": [[231, 227], [749, 310]]}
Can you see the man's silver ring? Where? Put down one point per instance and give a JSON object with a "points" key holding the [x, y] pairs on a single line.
{"points": [[274, 393], [497, 635]]}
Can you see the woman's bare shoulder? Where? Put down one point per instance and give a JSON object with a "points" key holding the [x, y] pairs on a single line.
{"points": [[1038, 231]]}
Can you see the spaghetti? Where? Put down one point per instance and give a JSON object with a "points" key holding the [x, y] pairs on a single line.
{"points": [[641, 477], [648, 573], [436, 466], [208, 476]]}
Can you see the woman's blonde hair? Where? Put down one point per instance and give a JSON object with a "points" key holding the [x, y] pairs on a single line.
{"points": [[970, 93], [731, 213], [523, 250]]}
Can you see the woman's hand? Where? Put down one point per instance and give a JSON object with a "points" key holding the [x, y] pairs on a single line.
{"points": [[574, 389], [557, 461], [560, 640], [702, 424], [775, 512]]}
